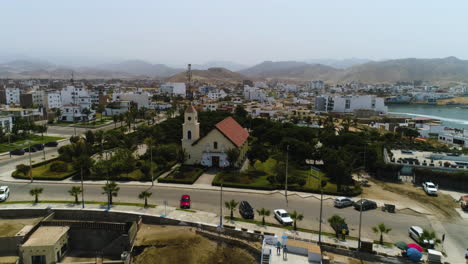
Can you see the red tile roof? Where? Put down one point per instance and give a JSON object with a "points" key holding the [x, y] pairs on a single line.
{"points": [[233, 131]]}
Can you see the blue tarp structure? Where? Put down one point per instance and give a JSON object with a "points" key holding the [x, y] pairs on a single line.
{"points": [[414, 254]]}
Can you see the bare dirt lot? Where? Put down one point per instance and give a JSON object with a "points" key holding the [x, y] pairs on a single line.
{"points": [[173, 244], [441, 206], [9, 227]]}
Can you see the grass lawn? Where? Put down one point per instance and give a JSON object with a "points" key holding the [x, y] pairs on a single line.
{"points": [[256, 177], [43, 172], [183, 174], [73, 202], [32, 139], [96, 122]]}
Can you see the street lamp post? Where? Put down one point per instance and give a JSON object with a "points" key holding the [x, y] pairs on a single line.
{"points": [[321, 209], [221, 205], [82, 189], [286, 180], [30, 163], [151, 164], [362, 202]]}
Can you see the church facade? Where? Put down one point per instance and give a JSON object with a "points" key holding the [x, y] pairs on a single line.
{"points": [[210, 150]]}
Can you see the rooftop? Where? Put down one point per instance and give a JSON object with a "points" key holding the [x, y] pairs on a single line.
{"points": [[46, 236], [233, 131]]}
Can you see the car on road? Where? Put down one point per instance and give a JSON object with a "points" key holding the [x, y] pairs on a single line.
{"points": [[38, 146], [33, 149], [4, 193], [17, 152], [51, 144], [415, 232], [246, 210], [185, 201], [342, 202], [430, 188], [366, 204], [283, 217]]}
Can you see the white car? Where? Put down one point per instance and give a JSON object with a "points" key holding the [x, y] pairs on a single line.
{"points": [[283, 217], [4, 193], [430, 188], [415, 232], [342, 202]]}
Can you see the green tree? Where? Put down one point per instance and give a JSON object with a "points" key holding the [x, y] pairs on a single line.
{"points": [[231, 205], [381, 229], [85, 163], [75, 191], [144, 196], [429, 236], [337, 222], [115, 118], [24, 169], [100, 109], [90, 138], [233, 157], [36, 192], [295, 216], [257, 152], [263, 212], [111, 189]]}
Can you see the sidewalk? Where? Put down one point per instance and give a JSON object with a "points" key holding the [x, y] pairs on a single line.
{"points": [[206, 218]]}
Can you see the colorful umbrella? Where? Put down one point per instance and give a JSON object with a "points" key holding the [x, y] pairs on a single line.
{"points": [[415, 246], [401, 245], [414, 254]]}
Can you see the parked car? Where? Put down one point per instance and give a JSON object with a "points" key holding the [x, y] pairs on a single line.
{"points": [[4, 193], [185, 201], [246, 210], [33, 149], [51, 144], [366, 204], [342, 202], [17, 152], [283, 217], [430, 188], [38, 146], [415, 232]]}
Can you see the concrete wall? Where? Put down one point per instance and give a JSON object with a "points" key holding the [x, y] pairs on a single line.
{"points": [[9, 245]]}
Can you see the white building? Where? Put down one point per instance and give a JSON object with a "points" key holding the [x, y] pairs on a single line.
{"points": [[455, 138], [254, 94], [53, 100], [142, 99], [215, 95], [6, 123], [76, 113], [350, 103], [210, 107], [38, 97], [12, 96], [315, 85], [117, 108], [76, 95], [173, 89]]}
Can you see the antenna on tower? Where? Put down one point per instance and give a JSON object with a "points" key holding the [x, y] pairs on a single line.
{"points": [[189, 81], [71, 80]]}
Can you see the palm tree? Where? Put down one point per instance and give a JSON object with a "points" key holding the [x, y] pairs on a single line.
{"points": [[75, 191], [337, 222], [145, 195], [36, 192], [231, 205], [263, 212], [111, 189], [382, 229], [296, 217], [115, 118]]}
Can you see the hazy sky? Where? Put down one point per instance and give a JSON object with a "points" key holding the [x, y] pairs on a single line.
{"points": [[244, 31]]}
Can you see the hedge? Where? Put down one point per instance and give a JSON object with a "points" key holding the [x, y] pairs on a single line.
{"points": [[450, 180], [19, 175], [183, 181]]}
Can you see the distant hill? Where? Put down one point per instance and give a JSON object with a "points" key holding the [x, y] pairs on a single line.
{"points": [[139, 67], [290, 70], [232, 66], [339, 64], [437, 70], [209, 75]]}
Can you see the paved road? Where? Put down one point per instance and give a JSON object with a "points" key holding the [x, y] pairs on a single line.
{"points": [[208, 200]]}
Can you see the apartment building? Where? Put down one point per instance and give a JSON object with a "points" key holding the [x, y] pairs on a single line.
{"points": [[173, 89], [12, 95], [350, 103]]}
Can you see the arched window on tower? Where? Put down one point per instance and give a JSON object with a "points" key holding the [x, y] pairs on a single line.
{"points": [[189, 135], [215, 145]]}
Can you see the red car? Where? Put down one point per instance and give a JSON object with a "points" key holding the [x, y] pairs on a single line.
{"points": [[185, 201]]}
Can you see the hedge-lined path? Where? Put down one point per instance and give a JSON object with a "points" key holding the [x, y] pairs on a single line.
{"points": [[206, 178]]}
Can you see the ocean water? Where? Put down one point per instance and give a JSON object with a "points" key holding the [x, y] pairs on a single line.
{"points": [[450, 116]]}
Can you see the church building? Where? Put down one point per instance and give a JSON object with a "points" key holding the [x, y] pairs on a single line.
{"points": [[210, 150]]}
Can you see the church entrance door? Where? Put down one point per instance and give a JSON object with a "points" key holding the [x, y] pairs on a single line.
{"points": [[215, 161]]}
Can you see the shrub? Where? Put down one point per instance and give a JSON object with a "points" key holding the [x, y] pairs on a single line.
{"points": [[24, 169], [58, 166]]}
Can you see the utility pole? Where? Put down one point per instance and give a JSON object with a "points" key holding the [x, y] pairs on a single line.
{"points": [[360, 211], [151, 164], [30, 163], [321, 208], [286, 181], [82, 189], [221, 205]]}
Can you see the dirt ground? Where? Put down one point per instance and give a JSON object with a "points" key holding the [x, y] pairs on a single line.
{"points": [[442, 206], [173, 244], [9, 227]]}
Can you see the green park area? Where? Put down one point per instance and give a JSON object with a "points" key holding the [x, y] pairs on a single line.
{"points": [[183, 174], [24, 143], [50, 170]]}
